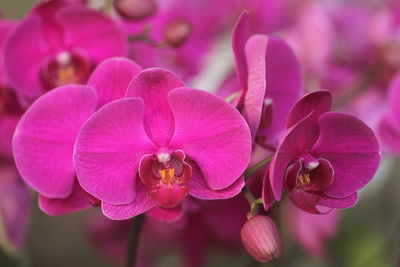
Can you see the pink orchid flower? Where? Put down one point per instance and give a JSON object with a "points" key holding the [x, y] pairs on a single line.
{"points": [[269, 82], [44, 139], [389, 126], [59, 43], [160, 144], [324, 158]]}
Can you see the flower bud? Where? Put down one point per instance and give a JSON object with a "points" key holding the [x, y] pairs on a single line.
{"points": [[176, 32], [261, 238], [135, 9]]}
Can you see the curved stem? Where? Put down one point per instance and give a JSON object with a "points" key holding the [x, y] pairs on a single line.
{"points": [[133, 241], [250, 171]]}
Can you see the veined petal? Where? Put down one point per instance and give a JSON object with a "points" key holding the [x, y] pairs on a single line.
{"points": [[319, 102], [112, 77], [200, 189], [141, 204], [298, 140], [78, 200], [44, 138], [284, 85], [92, 31], [212, 133], [339, 203], [109, 148], [351, 148], [153, 86]]}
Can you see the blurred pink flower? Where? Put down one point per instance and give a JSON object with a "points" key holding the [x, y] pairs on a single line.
{"points": [[59, 43], [159, 144], [389, 127], [324, 158], [45, 136], [311, 231], [268, 82]]}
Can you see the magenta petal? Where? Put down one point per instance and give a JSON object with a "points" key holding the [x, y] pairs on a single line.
{"points": [[78, 200], [44, 138], [304, 200], [109, 148], [267, 194], [255, 51], [352, 149], [298, 139], [212, 133], [112, 77], [319, 102], [15, 207], [24, 52], [284, 84], [240, 35], [166, 215], [390, 134], [153, 85], [339, 203], [322, 176], [78, 24], [394, 98], [141, 204], [169, 196]]}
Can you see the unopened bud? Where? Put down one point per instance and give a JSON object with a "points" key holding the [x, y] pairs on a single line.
{"points": [[135, 9], [176, 31], [261, 238]]}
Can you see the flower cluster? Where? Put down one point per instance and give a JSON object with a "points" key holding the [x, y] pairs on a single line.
{"points": [[98, 108]]}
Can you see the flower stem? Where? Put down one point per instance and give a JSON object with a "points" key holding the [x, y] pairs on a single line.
{"points": [[250, 171], [133, 241]]}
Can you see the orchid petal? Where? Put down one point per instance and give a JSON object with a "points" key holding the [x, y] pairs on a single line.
{"points": [[351, 148], [153, 85], [109, 148], [44, 138], [141, 204], [112, 77], [212, 133]]}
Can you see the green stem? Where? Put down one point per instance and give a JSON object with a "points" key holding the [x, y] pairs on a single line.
{"points": [[133, 241], [250, 171]]}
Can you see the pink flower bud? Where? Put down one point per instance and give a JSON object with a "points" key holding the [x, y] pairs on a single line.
{"points": [[261, 238], [176, 31], [135, 9]]}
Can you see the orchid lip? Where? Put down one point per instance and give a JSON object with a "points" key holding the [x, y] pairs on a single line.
{"points": [[166, 176]]}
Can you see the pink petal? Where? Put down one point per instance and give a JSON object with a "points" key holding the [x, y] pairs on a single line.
{"points": [[24, 53], [298, 140], [15, 206], [352, 149], [212, 133], [166, 215], [240, 35], [319, 102], [141, 204], [267, 194], [394, 97], [390, 134], [339, 203], [45, 136], [112, 77], [7, 128], [153, 85], [78, 200], [255, 51], [200, 189], [108, 150], [106, 41], [284, 84]]}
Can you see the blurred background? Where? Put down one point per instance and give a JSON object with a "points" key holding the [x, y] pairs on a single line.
{"points": [[367, 235]]}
